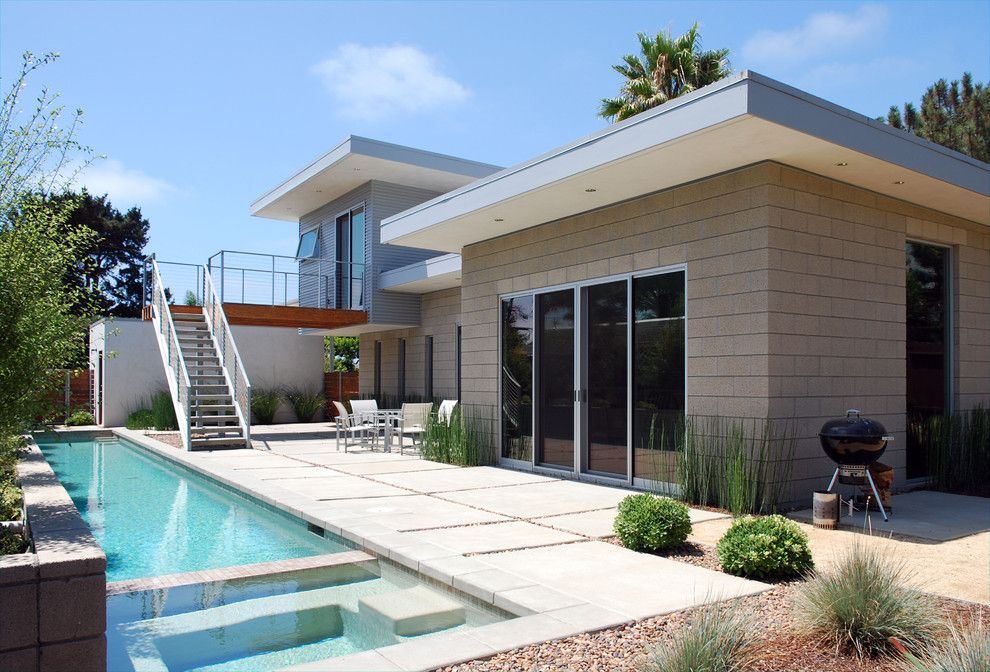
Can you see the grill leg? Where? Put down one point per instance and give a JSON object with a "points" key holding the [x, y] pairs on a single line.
{"points": [[876, 494], [831, 484]]}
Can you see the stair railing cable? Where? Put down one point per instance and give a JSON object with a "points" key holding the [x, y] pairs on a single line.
{"points": [[168, 345]]}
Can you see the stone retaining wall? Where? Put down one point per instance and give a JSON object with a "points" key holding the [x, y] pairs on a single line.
{"points": [[52, 601]]}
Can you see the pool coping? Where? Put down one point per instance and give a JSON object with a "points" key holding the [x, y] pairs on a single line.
{"points": [[61, 581], [540, 613]]}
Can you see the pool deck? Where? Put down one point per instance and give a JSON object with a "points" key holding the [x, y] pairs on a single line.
{"points": [[526, 543]]}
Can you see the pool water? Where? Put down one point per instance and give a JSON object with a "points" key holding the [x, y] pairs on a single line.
{"points": [[252, 625], [152, 518]]}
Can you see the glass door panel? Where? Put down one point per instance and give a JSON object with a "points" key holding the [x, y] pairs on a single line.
{"points": [[607, 388], [658, 374], [517, 378], [927, 285], [555, 382]]}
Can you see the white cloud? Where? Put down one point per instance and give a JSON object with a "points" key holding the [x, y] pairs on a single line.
{"points": [[373, 82], [125, 186], [825, 34]]}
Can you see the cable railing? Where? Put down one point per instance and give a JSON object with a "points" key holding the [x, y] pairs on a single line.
{"points": [[168, 346], [279, 280], [230, 359]]}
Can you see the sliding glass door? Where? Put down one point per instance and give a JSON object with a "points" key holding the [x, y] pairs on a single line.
{"points": [[605, 365], [555, 381]]}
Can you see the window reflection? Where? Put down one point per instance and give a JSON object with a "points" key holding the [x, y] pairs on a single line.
{"points": [[517, 378]]}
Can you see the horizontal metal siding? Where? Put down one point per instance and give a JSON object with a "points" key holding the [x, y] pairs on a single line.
{"points": [[386, 200], [326, 216]]}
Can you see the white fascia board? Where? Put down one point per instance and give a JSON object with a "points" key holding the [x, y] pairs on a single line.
{"points": [[319, 165], [680, 117], [424, 276]]}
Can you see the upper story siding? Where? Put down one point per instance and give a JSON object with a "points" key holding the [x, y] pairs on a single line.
{"points": [[381, 200]]}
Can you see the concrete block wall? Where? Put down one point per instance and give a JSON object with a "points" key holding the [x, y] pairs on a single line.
{"points": [[440, 313], [52, 601]]}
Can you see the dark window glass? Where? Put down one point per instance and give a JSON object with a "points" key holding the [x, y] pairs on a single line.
{"points": [[517, 378], [428, 367], [607, 377], [555, 343], [356, 259], [458, 356], [927, 299], [402, 369], [658, 373], [309, 245], [378, 369]]}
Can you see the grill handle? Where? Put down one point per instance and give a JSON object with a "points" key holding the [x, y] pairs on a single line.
{"points": [[851, 412], [887, 438]]}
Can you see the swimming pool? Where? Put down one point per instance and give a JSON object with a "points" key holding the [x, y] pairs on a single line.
{"points": [[154, 518]]}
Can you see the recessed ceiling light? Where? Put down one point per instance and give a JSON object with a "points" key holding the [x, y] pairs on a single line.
{"points": [[840, 164], [319, 191], [591, 190], [499, 219], [898, 181]]}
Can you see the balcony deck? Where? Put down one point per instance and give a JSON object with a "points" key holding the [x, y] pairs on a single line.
{"points": [[255, 315]]}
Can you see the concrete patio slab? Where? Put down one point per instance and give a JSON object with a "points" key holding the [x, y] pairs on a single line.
{"points": [[636, 585], [536, 500], [465, 478], [254, 459], [331, 457], [298, 471], [496, 537], [412, 512], [337, 487], [935, 516], [598, 524], [391, 467]]}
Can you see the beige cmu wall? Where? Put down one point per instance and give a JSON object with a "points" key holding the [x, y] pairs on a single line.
{"points": [[439, 314], [718, 227], [837, 308]]}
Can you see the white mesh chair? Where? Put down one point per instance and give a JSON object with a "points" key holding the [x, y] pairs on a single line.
{"points": [[412, 422], [349, 426], [366, 412], [446, 410]]}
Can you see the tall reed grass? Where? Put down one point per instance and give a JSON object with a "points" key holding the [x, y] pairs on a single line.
{"points": [[957, 447], [163, 412], [465, 440]]}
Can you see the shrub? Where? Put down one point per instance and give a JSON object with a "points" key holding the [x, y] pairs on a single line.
{"points": [[955, 447], [649, 523], [142, 418], [717, 640], [80, 417], [862, 602], [265, 403], [966, 649], [305, 403], [770, 547]]}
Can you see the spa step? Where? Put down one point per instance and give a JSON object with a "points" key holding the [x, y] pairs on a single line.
{"points": [[414, 611]]}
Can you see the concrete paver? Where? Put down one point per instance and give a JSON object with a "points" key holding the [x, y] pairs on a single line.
{"points": [[412, 512], [391, 467], [598, 524], [464, 478], [337, 487], [541, 499], [496, 537]]}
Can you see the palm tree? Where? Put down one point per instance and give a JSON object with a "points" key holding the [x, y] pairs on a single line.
{"points": [[669, 67]]}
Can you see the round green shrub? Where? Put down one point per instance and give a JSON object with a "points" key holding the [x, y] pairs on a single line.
{"points": [[649, 523], [771, 547], [80, 417]]}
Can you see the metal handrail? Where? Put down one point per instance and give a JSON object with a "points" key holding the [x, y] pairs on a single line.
{"points": [[223, 339], [168, 345]]}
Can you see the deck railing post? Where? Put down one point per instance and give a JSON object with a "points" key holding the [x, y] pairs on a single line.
{"points": [[223, 254], [273, 279]]}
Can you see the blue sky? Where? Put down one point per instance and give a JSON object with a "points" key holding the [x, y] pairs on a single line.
{"points": [[200, 108]]}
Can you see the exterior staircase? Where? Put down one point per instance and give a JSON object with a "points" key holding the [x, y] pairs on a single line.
{"points": [[213, 418], [206, 377]]}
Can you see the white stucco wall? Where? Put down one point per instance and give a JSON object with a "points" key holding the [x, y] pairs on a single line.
{"points": [[133, 368]]}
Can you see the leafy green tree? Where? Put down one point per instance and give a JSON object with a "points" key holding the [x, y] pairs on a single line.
{"points": [[346, 356], [666, 68], [39, 331], [955, 115], [115, 256]]}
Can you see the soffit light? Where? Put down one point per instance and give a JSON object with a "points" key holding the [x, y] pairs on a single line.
{"points": [[842, 164], [499, 219], [898, 181], [590, 190]]}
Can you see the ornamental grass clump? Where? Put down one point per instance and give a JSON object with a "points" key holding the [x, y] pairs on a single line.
{"points": [[163, 412], [719, 639], [965, 649], [142, 418], [307, 404], [864, 601], [80, 417], [649, 523], [765, 548], [265, 403]]}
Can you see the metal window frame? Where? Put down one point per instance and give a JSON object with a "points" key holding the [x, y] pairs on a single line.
{"points": [[579, 472]]}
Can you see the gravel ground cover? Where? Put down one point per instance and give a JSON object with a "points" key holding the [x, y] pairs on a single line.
{"points": [[620, 649], [173, 439]]}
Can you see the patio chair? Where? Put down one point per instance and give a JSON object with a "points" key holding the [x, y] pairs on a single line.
{"points": [[412, 422], [367, 412], [446, 410], [350, 425]]}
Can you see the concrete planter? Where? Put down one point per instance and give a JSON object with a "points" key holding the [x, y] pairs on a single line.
{"points": [[52, 600]]}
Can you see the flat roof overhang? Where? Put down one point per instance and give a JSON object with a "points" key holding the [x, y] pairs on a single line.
{"points": [[740, 121], [357, 160], [429, 275]]}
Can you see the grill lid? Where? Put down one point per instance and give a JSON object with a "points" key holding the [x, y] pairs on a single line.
{"points": [[854, 427]]}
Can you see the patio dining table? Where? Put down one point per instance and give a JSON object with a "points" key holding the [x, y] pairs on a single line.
{"points": [[383, 421]]}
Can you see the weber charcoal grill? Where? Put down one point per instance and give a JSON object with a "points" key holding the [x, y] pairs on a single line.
{"points": [[854, 443]]}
